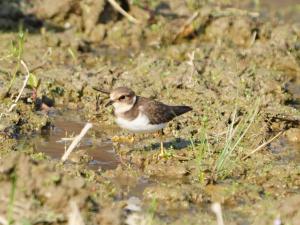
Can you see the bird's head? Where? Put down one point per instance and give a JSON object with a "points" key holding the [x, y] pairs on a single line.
{"points": [[122, 98]]}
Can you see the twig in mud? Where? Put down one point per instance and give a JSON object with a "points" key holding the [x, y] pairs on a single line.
{"points": [[185, 25], [24, 83], [123, 12], [216, 208], [21, 90], [3, 221], [263, 145], [74, 217], [191, 63], [253, 38], [76, 140], [191, 57]]}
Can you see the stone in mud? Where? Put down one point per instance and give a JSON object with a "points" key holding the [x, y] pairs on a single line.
{"points": [[293, 134]]}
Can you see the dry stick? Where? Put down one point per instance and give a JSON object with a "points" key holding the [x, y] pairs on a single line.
{"points": [[76, 140], [3, 221], [123, 12], [22, 89], [216, 208], [25, 81], [253, 38], [74, 215], [263, 145]]}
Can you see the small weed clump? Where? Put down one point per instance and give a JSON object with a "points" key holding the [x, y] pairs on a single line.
{"points": [[236, 132]]}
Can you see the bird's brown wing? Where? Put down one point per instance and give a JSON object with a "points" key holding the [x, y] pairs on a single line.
{"points": [[158, 112]]}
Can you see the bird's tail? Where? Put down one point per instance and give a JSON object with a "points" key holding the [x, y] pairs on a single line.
{"points": [[179, 110]]}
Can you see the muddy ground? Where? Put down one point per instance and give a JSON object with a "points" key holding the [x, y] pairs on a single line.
{"points": [[238, 66]]}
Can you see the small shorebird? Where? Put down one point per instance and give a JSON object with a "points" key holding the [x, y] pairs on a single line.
{"points": [[139, 114]]}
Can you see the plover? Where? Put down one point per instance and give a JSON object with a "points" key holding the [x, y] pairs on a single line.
{"points": [[140, 114]]}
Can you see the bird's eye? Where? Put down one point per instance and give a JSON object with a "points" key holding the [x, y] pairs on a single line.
{"points": [[122, 97]]}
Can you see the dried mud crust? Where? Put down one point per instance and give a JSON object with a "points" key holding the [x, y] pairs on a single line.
{"points": [[227, 61], [42, 191]]}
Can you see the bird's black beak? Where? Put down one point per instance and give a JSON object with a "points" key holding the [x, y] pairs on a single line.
{"points": [[109, 103]]}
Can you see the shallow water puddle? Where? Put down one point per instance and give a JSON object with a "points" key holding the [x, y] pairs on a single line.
{"points": [[53, 144], [287, 150]]}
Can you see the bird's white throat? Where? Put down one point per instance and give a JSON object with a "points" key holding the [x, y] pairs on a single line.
{"points": [[121, 107]]}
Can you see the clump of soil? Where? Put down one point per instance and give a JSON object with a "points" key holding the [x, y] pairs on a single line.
{"points": [[40, 192]]}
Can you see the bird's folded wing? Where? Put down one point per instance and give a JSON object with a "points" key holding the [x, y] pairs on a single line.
{"points": [[157, 112]]}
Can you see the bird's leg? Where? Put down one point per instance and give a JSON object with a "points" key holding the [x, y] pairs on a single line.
{"points": [[162, 150], [131, 138]]}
